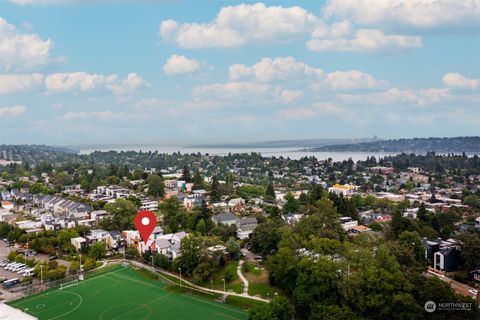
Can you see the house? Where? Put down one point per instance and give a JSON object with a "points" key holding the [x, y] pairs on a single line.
{"points": [[348, 223], [359, 229], [291, 218], [79, 243], [7, 205], [245, 227], [98, 215], [97, 235], [114, 240], [442, 254], [445, 259], [149, 205], [239, 208], [168, 244], [225, 218], [345, 190], [235, 201]]}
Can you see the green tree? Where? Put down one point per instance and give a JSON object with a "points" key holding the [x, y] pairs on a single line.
{"points": [[97, 250], [156, 187], [233, 248], [121, 215], [292, 204], [186, 174], [270, 191], [215, 193]]}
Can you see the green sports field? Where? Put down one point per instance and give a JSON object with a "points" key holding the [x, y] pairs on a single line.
{"points": [[120, 294]]}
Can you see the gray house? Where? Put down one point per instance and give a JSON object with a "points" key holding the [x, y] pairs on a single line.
{"points": [[225, 218]]}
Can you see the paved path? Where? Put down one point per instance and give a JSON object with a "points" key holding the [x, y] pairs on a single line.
{"points": [[239, 272]]}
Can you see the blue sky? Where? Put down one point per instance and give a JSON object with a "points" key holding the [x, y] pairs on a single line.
{"points": [[95, 72]]}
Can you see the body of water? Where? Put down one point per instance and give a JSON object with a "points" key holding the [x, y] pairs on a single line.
{"points": [[292, 153]]}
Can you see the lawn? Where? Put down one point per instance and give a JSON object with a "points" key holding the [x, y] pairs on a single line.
{"points": [[123, 293], [258, 281], [229, 271]]}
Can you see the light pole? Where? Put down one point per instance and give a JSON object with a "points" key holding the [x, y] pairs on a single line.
{"points": [[180, 269], [151, 257], [211, 282], [224, 285], [41, 274]]}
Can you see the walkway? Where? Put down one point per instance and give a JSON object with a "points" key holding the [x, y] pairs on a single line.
{"points": [[239, 272]]}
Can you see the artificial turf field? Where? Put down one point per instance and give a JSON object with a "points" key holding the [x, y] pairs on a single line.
{"points": [[120, 294]]}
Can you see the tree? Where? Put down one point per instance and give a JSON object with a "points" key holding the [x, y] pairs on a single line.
{"points": [[97, 250], [186, 174], [215, 193], [61, 179], [279, 308], [198, 181], [191, 253], [292, 204], [270, 191], [469, 250], [201, 227], [229, 182], [265, 238], [233, 248], [121, 214], [156, 187], [161, 261], [422, 213]]}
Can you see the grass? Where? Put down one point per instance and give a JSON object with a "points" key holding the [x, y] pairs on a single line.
{"points": [[228, 271], [258, 281], [124, 293]]}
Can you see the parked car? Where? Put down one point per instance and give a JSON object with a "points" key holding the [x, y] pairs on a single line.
{"points": [[52, 258], [10, 283], [3, 263], [10, 266], [18, 267]]}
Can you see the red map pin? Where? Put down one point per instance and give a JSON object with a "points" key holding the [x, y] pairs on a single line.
{"points": [[145, 221]]}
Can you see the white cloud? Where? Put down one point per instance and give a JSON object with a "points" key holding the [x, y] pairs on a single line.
{"points": [[456, 80], [56, 106], [180, 65], [19, 51], [349, 80], [288, 68], [396, 96], [416, 14], [97, 115], [268, 69], [316, 110], [19, 82], [244, 92], [83, 81], [12, 111], [362, 40], [129, 85], [76, 81], [237, 25]]}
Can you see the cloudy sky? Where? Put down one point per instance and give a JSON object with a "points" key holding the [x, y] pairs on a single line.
{"points": [[91, 72]]}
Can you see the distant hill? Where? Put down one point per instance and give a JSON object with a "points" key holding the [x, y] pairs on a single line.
{"points": [[298, 143], [415, 145]]}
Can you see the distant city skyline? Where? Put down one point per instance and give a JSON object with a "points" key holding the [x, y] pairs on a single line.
{"points": [[161, 72]]}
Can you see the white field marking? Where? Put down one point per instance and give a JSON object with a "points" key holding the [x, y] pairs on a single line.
{"points": [[68, 312]]}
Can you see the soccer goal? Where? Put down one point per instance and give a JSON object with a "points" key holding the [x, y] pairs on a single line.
{"points": [[68, 284]]}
